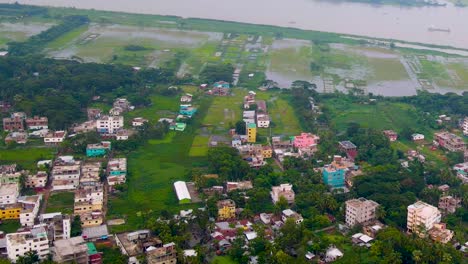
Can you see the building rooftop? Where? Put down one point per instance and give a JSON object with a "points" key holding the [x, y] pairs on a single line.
{"points": [[347, 145], [70, 246], [9, 189]]}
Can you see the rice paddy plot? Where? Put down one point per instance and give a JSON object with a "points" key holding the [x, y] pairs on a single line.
{"points": [[20, 31]]}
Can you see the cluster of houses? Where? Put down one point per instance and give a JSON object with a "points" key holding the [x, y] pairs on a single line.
{"points": [[20, 127], [186, 112]]}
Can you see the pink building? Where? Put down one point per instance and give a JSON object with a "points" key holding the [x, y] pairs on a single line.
{"points": [[306, 140]]}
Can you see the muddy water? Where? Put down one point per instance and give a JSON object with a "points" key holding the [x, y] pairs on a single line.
{"points": [[392, 22]]}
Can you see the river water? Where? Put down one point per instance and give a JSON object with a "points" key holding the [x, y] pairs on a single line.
{"points": [[392, 22]]}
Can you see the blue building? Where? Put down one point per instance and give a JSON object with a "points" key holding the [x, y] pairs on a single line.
{"points": [[187, 110], [98, 150], [334, 177]]}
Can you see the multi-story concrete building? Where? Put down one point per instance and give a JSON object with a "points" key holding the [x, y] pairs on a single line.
{"points": [[18, 244], [440, 233], [116, 171], [55, 138], [58, 225], [13, 123], [349, 148], [37, 123], [226, 209], [449, 204], [334, 175], [306, 140], [66, 174], [90, 173], [9, 193], [38, 180], [284, 190], [464, 126], [72, 250], [359, 211], [9, 174], [109, 124], [89, 199], [251, 133], [167, 254], [30, 209], [422, 217], [450, 141], [100, 149], [263, 120], [290, 214]]}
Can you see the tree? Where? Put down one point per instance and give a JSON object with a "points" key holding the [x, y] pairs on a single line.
{"points": [[76, 229], [240, 128], [30, 257]]}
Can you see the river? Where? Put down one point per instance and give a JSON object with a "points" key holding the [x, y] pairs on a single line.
{"points": [[391, 22]]}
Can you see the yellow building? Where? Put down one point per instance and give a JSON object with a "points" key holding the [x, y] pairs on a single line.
{"points": [[226, 209], [10, 211], [251, 133], [267, 152], [85, 207]]}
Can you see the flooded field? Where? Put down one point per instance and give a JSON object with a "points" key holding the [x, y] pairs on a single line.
{"points": [[137, 46], [20, 31]]}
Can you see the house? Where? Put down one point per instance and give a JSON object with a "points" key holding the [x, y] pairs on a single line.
{"points": [[90, 173], [122, 134], [123, 103], [109, 124], [187, 98], [360, 211], [88, 199], [267, 152], [65, 173], [349, 148], [38, 180], [391, 135], [182, 192], [95, 233], [361, 239], [449, 204], [139, 121], [187, 110], [9, 194], [462, 171], [422, 217], [221, 88], [18, 244], [284, 190], [226, 209], [94, 257], [116, 111], [263, 120], [333, 254], [85, 127], [242, 185], [17, 137], [30, 208], [37, 123], [58, 225], [305, 140], [13, 123], [55, 138], [167, 254], [178, 126], [72, 250], [440, 233], [116, 171], [464, 126], [41, 133], [248, 117], [251, 133], [334, 173], [136, 243], [450, 141], [93, 113], [90, 219], [290, 214], [417, 137], [97, 150]]}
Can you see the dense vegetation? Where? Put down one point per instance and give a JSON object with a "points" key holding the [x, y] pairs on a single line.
{"points": [[21, 10]]}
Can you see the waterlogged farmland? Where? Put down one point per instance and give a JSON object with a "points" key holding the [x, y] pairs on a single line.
{"points": [[10, 31]]}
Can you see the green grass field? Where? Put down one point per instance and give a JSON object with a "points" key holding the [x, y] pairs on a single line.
{"points": [[223, 260], [387, 70], [199, 146], [153, 169], [26, 157], [61, 202]]}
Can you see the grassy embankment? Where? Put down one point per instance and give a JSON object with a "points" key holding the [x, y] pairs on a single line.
{"points": [[26, 157]]}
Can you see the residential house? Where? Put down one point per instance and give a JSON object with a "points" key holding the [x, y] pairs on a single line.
{"points": [[91, 219], [55, 138], [333, 254], [449, 204], [38, 180], [9, 174], [178, 127], [242, 185], [462, 171], [284, 190], [17, 137], [391, 135], [109, 124], [90, 173], [440, 233], [41, 133], [249, 99], [72, 250], [65, 173], [251, 133], [221, 88], [226, 209], [30, 208], [122, 134], [349, 148], [93, 113], [263, 120], [139, 121], [14, 123], [18, 244], [360, 211], [464, 126], [97, 150], [187, 110], [116, 171], [187, 98], [167, 254], [58, 225], [85, 127], [334, 174], [123, 103], [9, 194], [422, 217], [290, 214], [450, 141], [37, 122], [417, 137], [89, 199], [248, 117], [116, 111]]}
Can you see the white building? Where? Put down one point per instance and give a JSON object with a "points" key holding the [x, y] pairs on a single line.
{"points": [[31, 205], [58, 225], [464, 126], [66, 174], [248, 117], [284, 190], [9, 193], [422, 215], [54, 138], [139, 121], [38, 180], [416, 137], [109, 124], [290, 214], [18, 244], [182, 191], [122, 134], [360, 211], [263, 120]]}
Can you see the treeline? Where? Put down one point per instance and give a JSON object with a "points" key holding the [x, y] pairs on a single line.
{"points": [[36, 43], [449, 103], [21, 10], [62, 89]]}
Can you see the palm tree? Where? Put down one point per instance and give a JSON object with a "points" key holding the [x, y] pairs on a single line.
{"points": [[417, 256]]}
